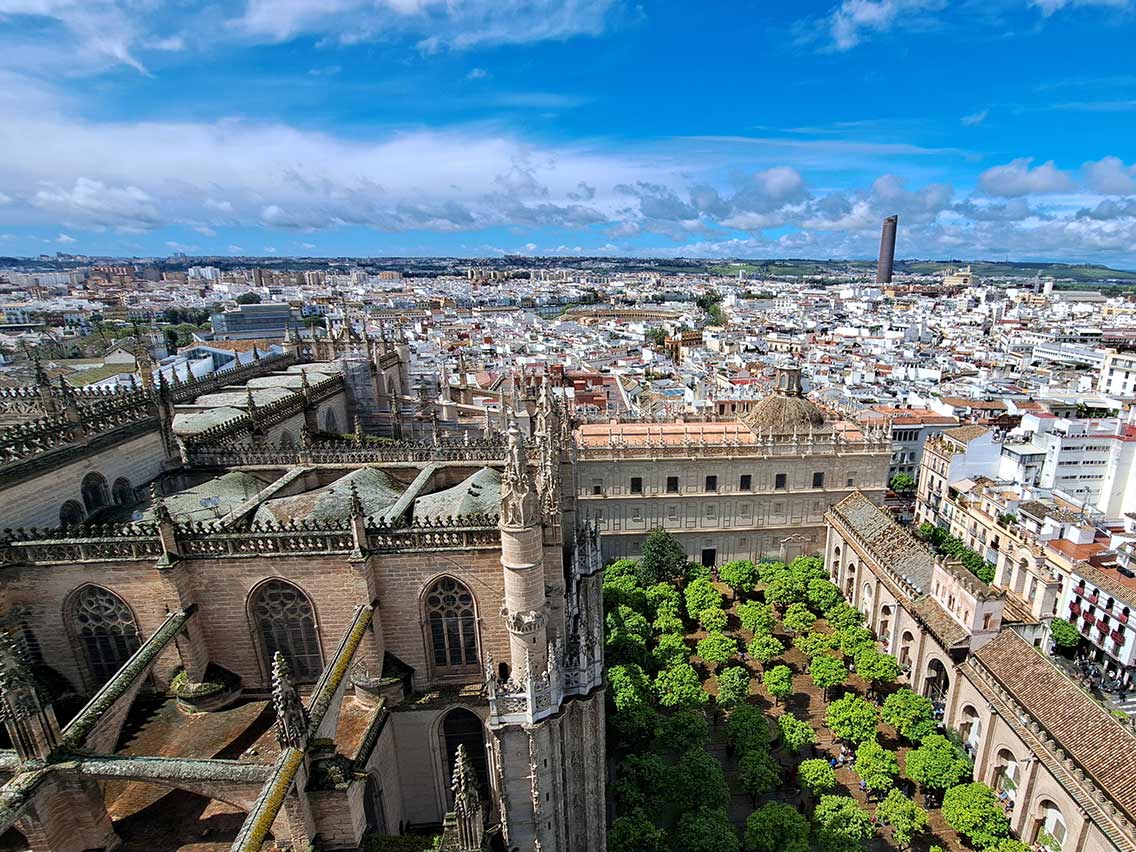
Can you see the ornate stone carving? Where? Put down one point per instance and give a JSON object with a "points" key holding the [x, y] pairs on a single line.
{"points": [[291, 717], [518, 500]]}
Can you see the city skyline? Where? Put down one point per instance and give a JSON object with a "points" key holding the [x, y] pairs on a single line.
{"points": [[594, 128]]}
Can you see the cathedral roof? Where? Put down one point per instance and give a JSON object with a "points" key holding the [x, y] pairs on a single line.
{"points": [[377, 492], [211, 499], [479, 494]]}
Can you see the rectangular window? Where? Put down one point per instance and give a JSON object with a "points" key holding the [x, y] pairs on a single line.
{"points": [[780, 482], [597, 487], [711, 512], [636, 485], [746, 482], [672, 484], [851, 479], [672, 513], [818, 479], [711, 483]]}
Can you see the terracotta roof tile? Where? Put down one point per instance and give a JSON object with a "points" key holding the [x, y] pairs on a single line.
{"points": [[1100, 744]]}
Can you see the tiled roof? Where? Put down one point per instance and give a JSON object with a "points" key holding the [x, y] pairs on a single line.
{"points": [[889, 543], [966, 434], [1100, 744]]}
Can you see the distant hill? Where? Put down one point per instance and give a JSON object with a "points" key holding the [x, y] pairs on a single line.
{"points": [[1077, 273]]}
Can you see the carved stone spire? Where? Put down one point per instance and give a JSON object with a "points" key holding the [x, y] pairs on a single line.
{"points": [[291, 717], [518, 500], [468, 812], [30, 721]]}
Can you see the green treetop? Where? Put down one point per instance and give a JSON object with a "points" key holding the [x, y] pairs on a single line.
{"points": [[679, 686], [765, 647], [827, 672], [700, 595], [911, 714], [841, 824], [876, 766], [798, 618], [663, 558], [906, 818], [975, 812], [757, 617], [740, 575], [717, 648], [794, 732], [852, 718], [816, 775], [937, 764], [704, 831], [733, 686], [778, 682], [758, 772], [777, 827]]}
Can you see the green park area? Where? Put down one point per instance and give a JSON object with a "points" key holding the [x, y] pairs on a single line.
{"points": [[752, 709]]}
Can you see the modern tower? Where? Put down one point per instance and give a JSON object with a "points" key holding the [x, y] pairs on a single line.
{"points": [[887, 250]]}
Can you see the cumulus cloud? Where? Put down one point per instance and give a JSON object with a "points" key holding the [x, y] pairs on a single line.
{"points": [[92, 202], [1018, 177], [854, 20], [1110, 176]]}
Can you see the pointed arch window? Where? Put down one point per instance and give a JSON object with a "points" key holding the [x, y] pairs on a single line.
{"points": [[453, 624], [105, 630], [286, 622]]}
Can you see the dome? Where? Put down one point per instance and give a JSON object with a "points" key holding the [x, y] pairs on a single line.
{"points": [[781, 413]]}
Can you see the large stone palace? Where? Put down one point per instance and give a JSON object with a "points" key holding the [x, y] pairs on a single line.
{"points": [[755, 487], [419, 613]]}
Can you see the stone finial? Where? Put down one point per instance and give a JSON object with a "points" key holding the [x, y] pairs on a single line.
{"points": [[518, 499], [358, 432], [250, 404], [356, 503], [291, 717], [467, 798], [305, 385], [305, 437], [19, 693]]}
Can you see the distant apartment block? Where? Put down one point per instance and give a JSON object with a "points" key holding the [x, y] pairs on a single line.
{"points": [[256, 321]]}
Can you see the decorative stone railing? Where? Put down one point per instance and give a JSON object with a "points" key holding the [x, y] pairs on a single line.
{"points": [[574, 669], [142, 541], [348, 452], [765, 446]]}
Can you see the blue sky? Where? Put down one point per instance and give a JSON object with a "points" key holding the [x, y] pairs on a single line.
{"points": [[998, 129]]}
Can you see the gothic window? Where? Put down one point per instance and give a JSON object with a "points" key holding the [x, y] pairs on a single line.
{"points": [[71, 514], [105, 630], [94, 491], [121, 492], [453, 624], [286, 622], [463, 727]]}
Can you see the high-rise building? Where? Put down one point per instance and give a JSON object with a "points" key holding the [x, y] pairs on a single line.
{"points": [[887, 250]]}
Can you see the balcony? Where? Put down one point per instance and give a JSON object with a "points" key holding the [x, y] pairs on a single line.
{"points": [[1102, 623], [1122, 618], [1117, 637], [1074, 609], [1091, 598]]}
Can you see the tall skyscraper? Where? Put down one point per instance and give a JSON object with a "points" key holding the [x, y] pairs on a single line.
{"points": [[887, 250]]}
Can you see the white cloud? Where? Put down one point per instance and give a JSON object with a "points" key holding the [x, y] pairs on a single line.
{"points": [[1019, 178], [5, 199], [92, 202], [94, 32], [1049, 7], [65, 239], [975, 118], [1109, 176], [438, 23], [853, 20], [477, 74]]}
